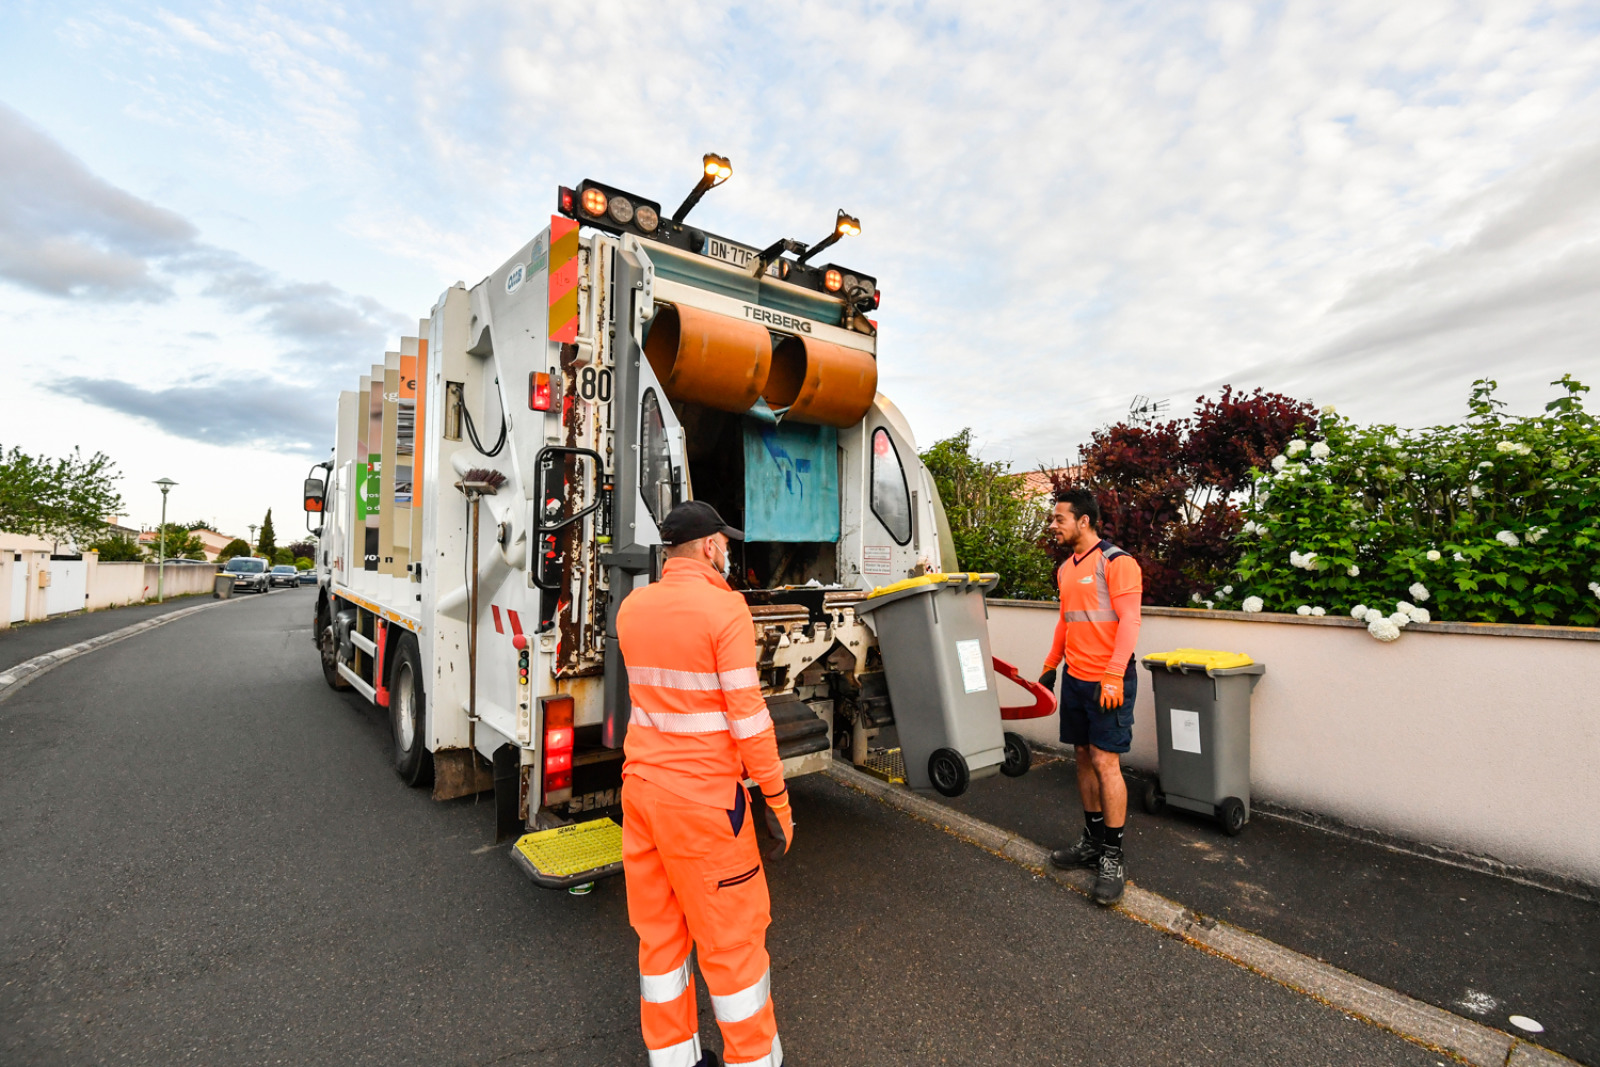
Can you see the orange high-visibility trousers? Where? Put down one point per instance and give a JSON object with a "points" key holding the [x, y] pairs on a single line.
{"points": [[695, 880]]}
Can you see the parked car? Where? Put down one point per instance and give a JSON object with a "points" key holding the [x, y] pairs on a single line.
{"points": [[250, 572], [285, 575], [308, 576]]}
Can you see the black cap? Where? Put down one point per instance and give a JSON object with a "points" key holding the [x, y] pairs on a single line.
{"points": [[692, 520]]}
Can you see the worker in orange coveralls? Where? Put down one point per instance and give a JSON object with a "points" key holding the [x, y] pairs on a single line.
{"points": [[698, 728]]}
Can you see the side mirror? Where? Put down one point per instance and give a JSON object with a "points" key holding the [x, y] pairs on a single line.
{"points": [[313, 494]]}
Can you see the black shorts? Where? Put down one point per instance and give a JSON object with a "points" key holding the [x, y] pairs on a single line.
{"points": [[1085, 722]]}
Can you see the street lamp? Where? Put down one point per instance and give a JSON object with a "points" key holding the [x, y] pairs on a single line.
{"points": [[166, 485], [253, 529]]}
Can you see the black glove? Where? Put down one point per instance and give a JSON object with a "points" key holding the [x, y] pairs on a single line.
{"points": [[781, 830], [1048, 679]]}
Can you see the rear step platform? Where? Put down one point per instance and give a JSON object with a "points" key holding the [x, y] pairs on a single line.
{"points": [[570, 855]]}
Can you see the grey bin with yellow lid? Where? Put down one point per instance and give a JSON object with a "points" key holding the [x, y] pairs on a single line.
{"points": [[1202, 700], [933, 633]]}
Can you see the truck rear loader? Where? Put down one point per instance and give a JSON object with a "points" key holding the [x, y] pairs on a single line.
{"points": [[496, 485]]}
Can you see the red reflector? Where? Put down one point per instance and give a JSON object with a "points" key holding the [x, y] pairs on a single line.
{"points": [[538, 392], [559, 780], [557, 761], [558, 740]]}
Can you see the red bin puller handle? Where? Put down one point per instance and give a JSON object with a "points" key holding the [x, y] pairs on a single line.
{"points": [[1044, 701]]}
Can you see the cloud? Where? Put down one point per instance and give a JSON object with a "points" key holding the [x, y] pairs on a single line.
{"points": [[66, 232], [250, 412]]}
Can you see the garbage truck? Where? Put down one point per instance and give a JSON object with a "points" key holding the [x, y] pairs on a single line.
{"points": [[496, 485]]}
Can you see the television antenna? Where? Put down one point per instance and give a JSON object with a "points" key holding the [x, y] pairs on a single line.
{"points": [[1144, 411]]}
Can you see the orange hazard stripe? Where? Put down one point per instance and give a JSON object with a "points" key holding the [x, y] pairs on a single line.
{"points": [[563, 280]]}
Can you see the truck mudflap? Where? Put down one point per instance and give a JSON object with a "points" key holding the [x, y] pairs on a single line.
{"points": [[567, 856]]}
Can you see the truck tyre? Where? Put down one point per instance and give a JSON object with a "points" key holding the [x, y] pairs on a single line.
{"points": [[328, 645], [1019, 756], [408, 714], [947, 770]]}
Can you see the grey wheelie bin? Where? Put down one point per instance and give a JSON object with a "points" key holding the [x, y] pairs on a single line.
{"points": [[1202, 702], [933, 632]]}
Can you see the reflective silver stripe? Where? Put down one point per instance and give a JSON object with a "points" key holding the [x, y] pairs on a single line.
{"points": [[665, 988], [674, 722], [771, 1059], [743, 678], [737, 1007], [1090, 616], [750, 725], [1103, 590], [683, 1054], [667, 678]]}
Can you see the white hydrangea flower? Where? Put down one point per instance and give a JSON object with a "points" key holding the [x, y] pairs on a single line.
{"points": [[1303, 609], [1476, 491], [1227, 590], [1594, 587], [1400, 619], [1537, 532], [1514, 447], [1458, 557], [1279, 461], [1320, 450], [1420, 615], [1248, 528], [1433, 555], [1353, 571], [1418, 590], [1254, 603], [1210, 604], [1507, 538], [1319, 611], [1296, 447], [1329, 409], [1194, 598], [1383, 629], [1486, 466], [1358, 612]]}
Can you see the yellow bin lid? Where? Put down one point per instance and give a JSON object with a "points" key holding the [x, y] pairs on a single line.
{"points": [[1207, 658]]}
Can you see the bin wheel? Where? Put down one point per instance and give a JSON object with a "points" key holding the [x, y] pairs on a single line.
{"points": [[1231, 816], [947, 769], [1019, 757], [1152, 799]]}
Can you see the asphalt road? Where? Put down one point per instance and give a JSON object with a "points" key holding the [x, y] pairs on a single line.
{"points": [[206, 858], [23, 641]]}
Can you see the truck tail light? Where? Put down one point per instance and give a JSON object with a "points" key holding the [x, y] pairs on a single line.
{"points": [[558, 738], [538, 391], [564, 200]]}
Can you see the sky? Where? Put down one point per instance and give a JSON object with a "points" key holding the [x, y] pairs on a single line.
{"points": [[214, 217]]}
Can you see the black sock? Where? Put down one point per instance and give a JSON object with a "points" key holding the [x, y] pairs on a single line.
{"points": [[1113, 836], [1095, 823]]}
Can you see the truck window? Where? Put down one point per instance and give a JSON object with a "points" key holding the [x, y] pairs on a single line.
{"points": [[891, 501], [656, 483]]}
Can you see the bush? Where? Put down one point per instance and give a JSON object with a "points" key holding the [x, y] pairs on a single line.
{"points": [[1493, 520], [113, 548], [994, 526], [1170, 493], [237, 547], [304, 563]]}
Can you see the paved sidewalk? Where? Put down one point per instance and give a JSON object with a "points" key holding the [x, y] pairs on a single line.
{"points": [[22, 642], [1482, 946]]}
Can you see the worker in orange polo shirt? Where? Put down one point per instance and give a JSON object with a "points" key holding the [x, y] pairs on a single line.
{"points": [[698, 728], [1100, 588]]}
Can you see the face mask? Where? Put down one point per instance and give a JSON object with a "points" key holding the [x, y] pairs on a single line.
{"points": [[727, 564]]}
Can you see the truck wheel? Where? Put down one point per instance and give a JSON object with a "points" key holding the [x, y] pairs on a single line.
{"points": [[1152, 799], [328, 645], [1231, 815], [947, 769], [1019, 757], [408, 714]]}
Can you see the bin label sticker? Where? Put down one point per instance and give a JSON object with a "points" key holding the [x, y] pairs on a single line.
{"points": [[1185, 731], [973, 676], [876, 559]]}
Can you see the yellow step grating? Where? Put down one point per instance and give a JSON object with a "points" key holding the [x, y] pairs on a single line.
{"points": [[887, 764], [569, 855]]}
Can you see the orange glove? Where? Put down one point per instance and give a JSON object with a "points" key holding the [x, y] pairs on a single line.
{"points": [[1111, 692], [780, 824]]}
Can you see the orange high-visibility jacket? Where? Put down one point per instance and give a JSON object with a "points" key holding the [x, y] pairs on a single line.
{"points": [[1099, 624], [699, 724]]}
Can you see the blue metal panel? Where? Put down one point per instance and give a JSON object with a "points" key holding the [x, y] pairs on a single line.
{"points": [[791, 482]]}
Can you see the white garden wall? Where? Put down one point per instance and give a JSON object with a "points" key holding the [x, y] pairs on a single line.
{"points": [[1480, 738]]}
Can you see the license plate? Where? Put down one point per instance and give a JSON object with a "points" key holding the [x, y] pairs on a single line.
{"points": [[736, 255]]}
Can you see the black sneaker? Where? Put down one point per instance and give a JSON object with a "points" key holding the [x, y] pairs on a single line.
{"points": [[1111, 878], [1086, 853], [708, 1059]]}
